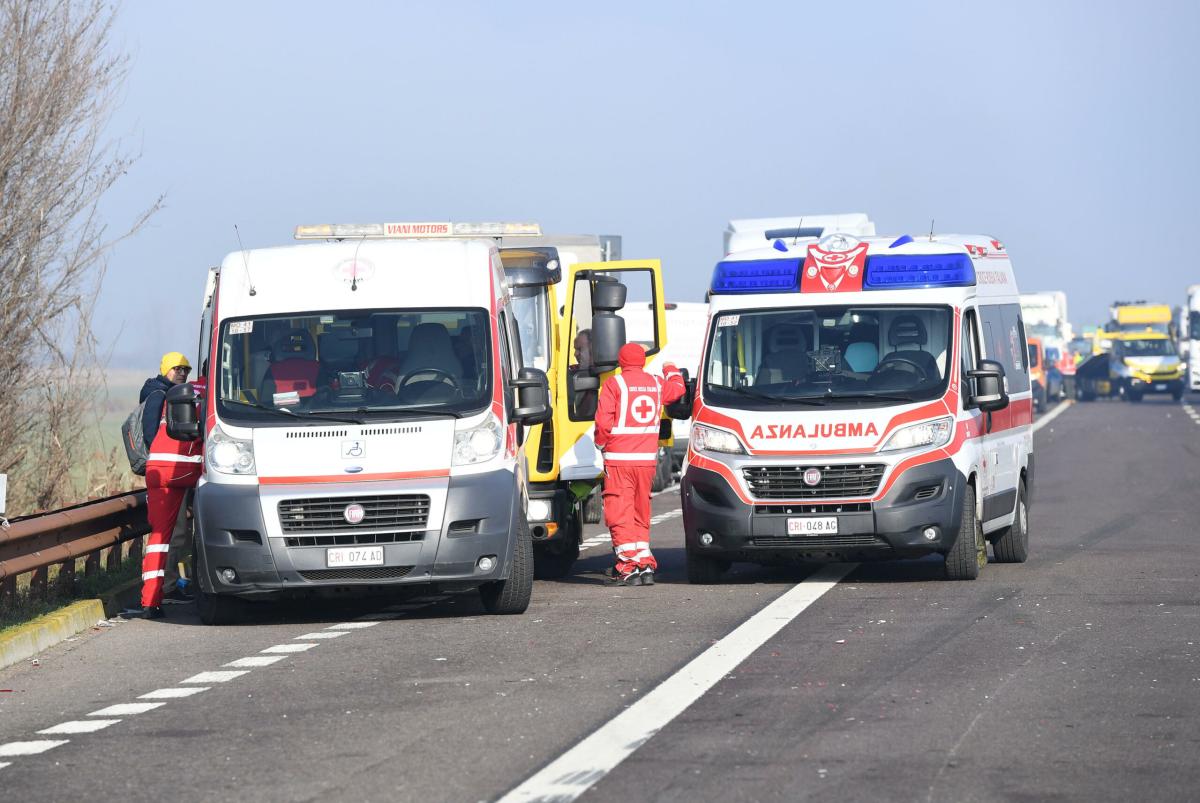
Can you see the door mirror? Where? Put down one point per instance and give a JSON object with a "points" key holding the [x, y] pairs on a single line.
{"points": [[608, 328], [533, 397], [989, 393], [578, 382], [681, 408], [183, 424]]}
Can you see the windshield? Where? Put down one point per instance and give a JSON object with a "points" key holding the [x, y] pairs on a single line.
{"points": [[1194, 324], [1146, 348], [531, 307], [836, 355], [1040, 330], [354, 366]]}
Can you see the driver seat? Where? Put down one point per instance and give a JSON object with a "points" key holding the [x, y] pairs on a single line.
{"points": [[908, 330], [430, 347], [786, 358]]}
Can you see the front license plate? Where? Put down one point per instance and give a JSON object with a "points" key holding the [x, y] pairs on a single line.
{"points": [[1161, 386], [821, 526], [354, 556]]}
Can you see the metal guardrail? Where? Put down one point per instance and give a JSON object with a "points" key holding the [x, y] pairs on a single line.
{"points": [[34, 544]]}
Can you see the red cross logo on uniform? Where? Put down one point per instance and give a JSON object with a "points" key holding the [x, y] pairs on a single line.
{"points": [[642, 409]]}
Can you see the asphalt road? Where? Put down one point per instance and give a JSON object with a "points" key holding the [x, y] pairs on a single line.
{"points": [[1073, 676]]}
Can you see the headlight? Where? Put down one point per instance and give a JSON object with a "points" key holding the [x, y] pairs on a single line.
{"points": [[538, 510], [227, 454], [477, 444], [930, 433], [707, 439]]}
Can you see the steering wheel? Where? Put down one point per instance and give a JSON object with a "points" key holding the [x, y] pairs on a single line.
{"points": [[920, 371], [404, 380]]}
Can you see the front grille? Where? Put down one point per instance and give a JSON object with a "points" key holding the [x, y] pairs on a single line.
{"points": [[545, 458], [787, 482], [353, 539], [818, 541], [362, 573], [792, 510], [324, 514]]}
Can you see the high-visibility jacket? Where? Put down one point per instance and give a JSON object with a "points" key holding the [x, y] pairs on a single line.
{"points": [[628, 414], [172, 463]]}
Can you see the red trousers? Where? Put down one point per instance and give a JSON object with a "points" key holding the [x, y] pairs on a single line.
{"points": [[162, 509], [627, 514]]}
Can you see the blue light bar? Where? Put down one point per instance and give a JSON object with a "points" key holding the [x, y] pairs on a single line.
{"points": [[901, 271], [757, 276]]}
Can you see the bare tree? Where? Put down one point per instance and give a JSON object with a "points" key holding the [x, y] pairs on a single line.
{"points": [[59, 79]]}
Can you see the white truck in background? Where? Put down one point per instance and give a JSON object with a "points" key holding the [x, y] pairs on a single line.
{"points": [[1192, 335], [1045, 316]]}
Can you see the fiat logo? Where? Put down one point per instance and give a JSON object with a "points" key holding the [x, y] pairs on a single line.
{"points": [[355, 513], [812, 476]]}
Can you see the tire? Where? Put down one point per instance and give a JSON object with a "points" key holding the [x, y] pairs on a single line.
{"points": [[1039, 399], [214, 609], [1177, 395], [661, 471], [1012, 546], [969, 552], [703, 570], [1133, 396], [553, 560], [593, 507], [511, 596]]}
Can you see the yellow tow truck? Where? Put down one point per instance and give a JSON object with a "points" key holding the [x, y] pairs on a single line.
{"points": [[1131, 365], [569, 318]]}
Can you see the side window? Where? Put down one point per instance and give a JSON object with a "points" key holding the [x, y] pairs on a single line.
{"points": [[1014, 332], [995, 345], [969, 347], [506, 360]]}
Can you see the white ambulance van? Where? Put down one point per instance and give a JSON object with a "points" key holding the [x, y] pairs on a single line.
{"points": [[363, 407], [860, 397]]}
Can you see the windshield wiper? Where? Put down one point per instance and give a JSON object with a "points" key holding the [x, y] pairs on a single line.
{"points": [[781, 400], [400, 408], [868, 397], [286, 413]]}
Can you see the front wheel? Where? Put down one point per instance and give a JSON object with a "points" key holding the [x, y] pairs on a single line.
{"points": [[969, 553], [512, 596], [553, 560], [1012, 546], [704, 569], [214, 609]]}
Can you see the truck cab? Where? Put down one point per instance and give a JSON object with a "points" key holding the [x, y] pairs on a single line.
{"points": [[364, 408]]}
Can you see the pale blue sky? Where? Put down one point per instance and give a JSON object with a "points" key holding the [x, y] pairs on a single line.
{"points": [[1069, 130]]}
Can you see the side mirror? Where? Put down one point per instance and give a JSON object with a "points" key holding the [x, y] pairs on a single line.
{"points": [[608, 294], [989, 393], [182, 422], [608, 328], [681, 408], [533, 397]]}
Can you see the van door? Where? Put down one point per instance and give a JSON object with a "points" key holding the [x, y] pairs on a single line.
{"points": [[971, 345], [1004, 341], [578, 372]]}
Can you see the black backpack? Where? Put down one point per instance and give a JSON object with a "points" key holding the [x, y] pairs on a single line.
{"points": [[133, 438]]}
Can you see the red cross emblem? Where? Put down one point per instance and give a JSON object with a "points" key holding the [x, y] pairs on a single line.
{"points": [[643, 409]]}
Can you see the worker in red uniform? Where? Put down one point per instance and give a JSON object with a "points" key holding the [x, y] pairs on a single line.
{"points": [[627, 420], [172, 467]]}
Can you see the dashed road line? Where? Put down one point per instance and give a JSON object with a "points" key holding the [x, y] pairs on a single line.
{"points": [[1058, 410], [219, 676], [78, 726], [322, 634], [172, 693], [255, 661], [30, 748], [126, 709], [581, 767], [351, 625], [288, 648]]}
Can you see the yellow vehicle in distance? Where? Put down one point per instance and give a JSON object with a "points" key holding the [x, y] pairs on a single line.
{"points": [[1130, 365], [569, 316]]}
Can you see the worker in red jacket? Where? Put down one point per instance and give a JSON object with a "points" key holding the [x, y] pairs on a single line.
{"points": [[172, 467], [627, 420]]}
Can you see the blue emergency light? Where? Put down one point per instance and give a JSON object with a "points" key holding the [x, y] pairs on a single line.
{"points": [[757, 276], [902, 271]]}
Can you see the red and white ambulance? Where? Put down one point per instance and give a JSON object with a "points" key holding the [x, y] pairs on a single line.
{"points": [[860, 397]]}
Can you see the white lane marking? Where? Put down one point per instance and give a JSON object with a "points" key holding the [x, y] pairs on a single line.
{"points": [[79, 726], [287, 648], [172, 694], [323, 634], [126, 709], [577, 770], [4, 764], [216, 677], [29, 748], [672, 487], [1058, 410], [254, 661], [351, 625], [670, 514]]}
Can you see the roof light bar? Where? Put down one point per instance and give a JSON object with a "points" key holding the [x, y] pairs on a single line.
{"points": [[757, 276], [901, 271], [415, 230]]}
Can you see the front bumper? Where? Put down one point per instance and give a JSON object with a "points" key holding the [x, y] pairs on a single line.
{"points": [[893, 527], [231, 533], [1150, 384]]}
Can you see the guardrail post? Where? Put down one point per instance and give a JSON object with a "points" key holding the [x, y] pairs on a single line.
{"points": [[65, 581], [91, 564], [37, 582], [8, 590]]}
